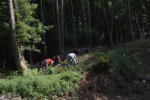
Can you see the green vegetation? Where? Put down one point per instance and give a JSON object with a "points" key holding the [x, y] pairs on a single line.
{"points": [[29, 29], [120, 62], [59, 80], [26, 38], [37, 86]]}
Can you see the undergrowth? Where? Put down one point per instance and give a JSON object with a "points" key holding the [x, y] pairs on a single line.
{"points": [[41, 86], [60, 80], [118, 63]]}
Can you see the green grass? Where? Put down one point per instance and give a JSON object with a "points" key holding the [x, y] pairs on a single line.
{"points": [[60, 80], [36, 86]]}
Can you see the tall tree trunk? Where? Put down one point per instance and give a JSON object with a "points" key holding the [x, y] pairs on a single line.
{"points": [[139, 28], [83, 20], [112, 24], [110, 30], [89, 23], [62, 24], [58, 27], [41, 11], [73, 27], [130, 20], [120, 25], [18, 57], [43, 21]]}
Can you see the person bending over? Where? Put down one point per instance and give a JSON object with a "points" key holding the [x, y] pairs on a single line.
{"points": [[44, 64], [57, 59], [71, 56], [76, 51]]}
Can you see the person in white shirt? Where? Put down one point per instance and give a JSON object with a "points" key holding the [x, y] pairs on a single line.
{"points": [[71, 56]]}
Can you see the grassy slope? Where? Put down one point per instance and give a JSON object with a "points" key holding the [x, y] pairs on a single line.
{"points": [[98, 86], [64, 83], [60, 81]]}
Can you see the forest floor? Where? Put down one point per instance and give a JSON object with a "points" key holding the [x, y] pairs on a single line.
{"points": [[93, 86]]}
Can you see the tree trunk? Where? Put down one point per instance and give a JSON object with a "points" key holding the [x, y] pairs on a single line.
{"points": [[139, 28], [58, 27], [41, 11], [89, 23], [130, 20], [73, 26], [43, 21], [62, 24], [18, 57], [83, 21], [112, 24], [110, 31]]}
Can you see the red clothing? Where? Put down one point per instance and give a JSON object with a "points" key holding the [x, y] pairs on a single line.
{"points": [[48, 61]]}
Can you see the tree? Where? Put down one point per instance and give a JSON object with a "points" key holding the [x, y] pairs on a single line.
{"points": [[59, 28], [29, 29], [62, 25], [89, 23], [19, 59], [130, 20], [109, 24], [43, 21], [73, 26]]}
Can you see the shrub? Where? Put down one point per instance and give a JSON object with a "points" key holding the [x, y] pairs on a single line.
{"points": [[102, 65], [119, 62]]}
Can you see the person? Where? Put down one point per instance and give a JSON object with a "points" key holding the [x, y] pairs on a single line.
{"points": [[44, 64], [71, 56], [76, 51], [57, 59]]}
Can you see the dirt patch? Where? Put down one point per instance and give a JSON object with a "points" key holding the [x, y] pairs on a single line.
{"points": [[101, 87]]}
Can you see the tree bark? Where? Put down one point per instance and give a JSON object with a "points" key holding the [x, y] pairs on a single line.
{"points": [[110, 31], [130, 21], [73, 27], [139, 28], [62, 25], [89, 23], [83, 21], [18, 57], [58, 27], [43, 21]]}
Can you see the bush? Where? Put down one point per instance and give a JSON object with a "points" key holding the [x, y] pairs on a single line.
{"points": [[125, 63], [102, 65], [119, 62]]}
